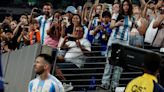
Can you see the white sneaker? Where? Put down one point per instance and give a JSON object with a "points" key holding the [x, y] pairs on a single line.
{"points": [[67, 87]]}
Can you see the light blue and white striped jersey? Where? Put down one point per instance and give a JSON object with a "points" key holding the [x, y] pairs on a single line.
{"points": [[121, 33], [44, 26], [52, 84]]}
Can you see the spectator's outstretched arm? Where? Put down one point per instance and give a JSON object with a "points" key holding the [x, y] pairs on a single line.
{"points": [[3, 36], [80, 46], [115, 24], [102, 10], [91, 14], [63, 45], [142, 2], [54, 30], [142, 29], [112, 25], [158, 21], [89, 25], [63, 28], [83, 16], [24, 36], [114, 18], [97, 29], [157, 6], [19, 38], [32, 14], [17, 28], [144, 12], [85, 48]]}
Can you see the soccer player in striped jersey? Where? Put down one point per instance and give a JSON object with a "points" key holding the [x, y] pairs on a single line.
{"points": [[45, 82]]}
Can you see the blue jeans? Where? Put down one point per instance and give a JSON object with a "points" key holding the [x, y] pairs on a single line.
{"points": [[117, 70], [136, 40]]}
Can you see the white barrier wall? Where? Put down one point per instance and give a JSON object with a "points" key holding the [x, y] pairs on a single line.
{"points": [[18, 67]]}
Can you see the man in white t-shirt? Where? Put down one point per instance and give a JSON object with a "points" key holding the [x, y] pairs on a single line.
{"points": [[77, 46]]}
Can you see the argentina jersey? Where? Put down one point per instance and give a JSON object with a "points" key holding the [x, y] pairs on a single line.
{"points": [[44, 26], [51, 84]]}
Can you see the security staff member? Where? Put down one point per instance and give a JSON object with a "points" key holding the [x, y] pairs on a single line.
{"points": [[148, 81]]}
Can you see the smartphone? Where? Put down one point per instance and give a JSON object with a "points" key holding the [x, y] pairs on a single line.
{"points": [[120, 17], [25, 28], [88, 8], [71, 38], [55, 20], [99, 23], [65, 19], [37, 11]]}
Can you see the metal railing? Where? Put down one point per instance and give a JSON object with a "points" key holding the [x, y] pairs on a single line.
{"points": [[90, 75]]}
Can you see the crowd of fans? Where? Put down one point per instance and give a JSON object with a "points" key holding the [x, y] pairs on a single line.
{"points": [[79, 29], [101, 25]]}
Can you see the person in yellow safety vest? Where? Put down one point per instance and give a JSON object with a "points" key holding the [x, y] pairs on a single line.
{"points": [[148, 81]]}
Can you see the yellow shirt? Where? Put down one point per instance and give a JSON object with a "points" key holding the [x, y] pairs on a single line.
{"points": [[143, 83]]}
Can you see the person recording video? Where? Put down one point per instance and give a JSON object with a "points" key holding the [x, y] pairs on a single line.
{"points": [[75, 46], [45, 20], [73, 50], [53, 34]]}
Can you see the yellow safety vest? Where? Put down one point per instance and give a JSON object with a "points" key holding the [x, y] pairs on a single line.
{"points": [[143, 83]]}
